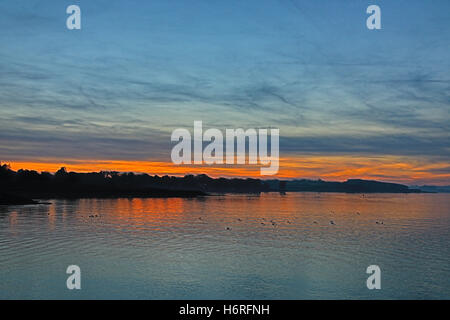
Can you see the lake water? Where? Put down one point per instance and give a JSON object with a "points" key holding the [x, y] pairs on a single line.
{"points": [[226, 247]]}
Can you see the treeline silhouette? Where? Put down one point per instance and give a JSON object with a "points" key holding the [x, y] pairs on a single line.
{"points": [[105, 184], [21, 186]]}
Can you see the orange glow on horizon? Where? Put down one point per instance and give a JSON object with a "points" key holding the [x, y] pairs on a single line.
{"points": [[331, 168]]}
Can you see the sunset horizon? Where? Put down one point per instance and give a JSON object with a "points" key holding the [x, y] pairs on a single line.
{"points": [[380, 169]]}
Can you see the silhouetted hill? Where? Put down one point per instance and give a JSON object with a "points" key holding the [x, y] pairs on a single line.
{"points": [[349, 186]]}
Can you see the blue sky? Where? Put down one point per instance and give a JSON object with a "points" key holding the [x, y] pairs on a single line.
{"points": [[137, 70]]}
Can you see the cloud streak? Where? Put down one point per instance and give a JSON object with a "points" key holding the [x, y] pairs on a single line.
{"points": [[136, 71]]}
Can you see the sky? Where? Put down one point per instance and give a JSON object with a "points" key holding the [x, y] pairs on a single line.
{"points": [[349, 102]]}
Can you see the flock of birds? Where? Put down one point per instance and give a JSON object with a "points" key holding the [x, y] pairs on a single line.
{"points": [[265, 222], [274, 223]]}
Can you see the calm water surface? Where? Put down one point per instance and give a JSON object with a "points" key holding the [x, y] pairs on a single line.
{"points": [[227, 247]]}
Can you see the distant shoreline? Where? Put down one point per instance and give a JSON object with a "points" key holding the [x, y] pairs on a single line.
{"points": [[8, 199], [24, 185], [28, 198]]}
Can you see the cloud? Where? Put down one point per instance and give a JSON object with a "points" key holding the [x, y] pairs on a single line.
{"points": [[118, 87]]}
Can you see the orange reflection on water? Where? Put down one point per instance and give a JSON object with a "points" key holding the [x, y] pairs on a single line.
{"points": [[134, 212], [261, 214], [51, 216]]}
